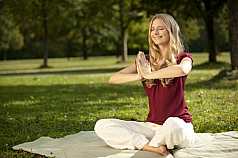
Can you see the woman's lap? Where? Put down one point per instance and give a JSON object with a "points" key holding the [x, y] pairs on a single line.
{"points": [[114, 129]]}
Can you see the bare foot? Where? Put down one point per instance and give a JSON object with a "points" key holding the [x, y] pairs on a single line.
{"points": [[162, 150]]}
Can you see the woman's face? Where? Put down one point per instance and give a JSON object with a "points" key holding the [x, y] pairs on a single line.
{"points": [[159, 33]]}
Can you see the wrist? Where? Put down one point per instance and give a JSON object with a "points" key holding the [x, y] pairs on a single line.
{"points": [[146, 76], [139, 77]]}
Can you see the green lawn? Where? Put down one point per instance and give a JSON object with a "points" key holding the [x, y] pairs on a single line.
{"points": [[72, 95]]}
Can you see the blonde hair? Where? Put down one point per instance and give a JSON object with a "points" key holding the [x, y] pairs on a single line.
{"points": [[175, 45]]}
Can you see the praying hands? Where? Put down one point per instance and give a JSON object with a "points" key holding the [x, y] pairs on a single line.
{"points": [[142, 65]]}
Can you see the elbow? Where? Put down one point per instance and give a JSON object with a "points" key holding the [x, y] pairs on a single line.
{"points": [[185, 70], [186, 67], [113, 80]]}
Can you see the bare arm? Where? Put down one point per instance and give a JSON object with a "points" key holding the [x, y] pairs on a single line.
{"points": [[181, 69], [127, 74]]}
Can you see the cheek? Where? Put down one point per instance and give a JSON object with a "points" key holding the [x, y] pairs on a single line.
{"points": [[166, 35]]}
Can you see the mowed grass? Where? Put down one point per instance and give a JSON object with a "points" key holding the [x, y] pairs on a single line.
{"points": [[72, 95]]}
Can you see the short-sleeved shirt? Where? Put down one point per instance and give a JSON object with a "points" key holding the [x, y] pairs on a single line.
{"points": [[168, 101]]}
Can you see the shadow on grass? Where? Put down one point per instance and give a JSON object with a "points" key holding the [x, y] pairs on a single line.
{"points": [[214, 82], [208, 65], [51, 72], [28, 112]]}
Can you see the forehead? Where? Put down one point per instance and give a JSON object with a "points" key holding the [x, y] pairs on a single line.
{"points": [[158, 23]]}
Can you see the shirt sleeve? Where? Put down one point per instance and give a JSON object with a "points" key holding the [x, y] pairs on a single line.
{"points": [[184, 55]]}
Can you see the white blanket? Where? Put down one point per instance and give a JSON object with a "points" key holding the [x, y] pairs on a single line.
{"points": [[86, 144]]}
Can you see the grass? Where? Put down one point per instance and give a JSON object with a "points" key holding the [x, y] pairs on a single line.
{"points": [[72, 95]]}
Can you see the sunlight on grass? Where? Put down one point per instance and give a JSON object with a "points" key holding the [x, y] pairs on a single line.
{"points": [[58, 104]]}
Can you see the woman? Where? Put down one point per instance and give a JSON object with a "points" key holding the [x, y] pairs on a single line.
{"points": [[163, 73]]}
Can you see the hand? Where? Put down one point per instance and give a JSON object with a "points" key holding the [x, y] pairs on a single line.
{"points": [[143, 66], [140, 77]]}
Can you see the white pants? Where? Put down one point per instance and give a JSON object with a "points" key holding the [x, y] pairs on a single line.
{"points": [[122, 134]]}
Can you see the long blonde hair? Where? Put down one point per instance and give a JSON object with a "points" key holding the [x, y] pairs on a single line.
{"points": [[175, 45]]}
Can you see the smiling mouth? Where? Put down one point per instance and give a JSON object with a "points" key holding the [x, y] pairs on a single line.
{"points": [[157, 37]]}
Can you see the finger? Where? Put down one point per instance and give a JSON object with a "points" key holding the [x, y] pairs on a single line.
{"points": [[140, 53], [145, 62], [137, 56], [137, 59], [141, 62], [144, 58], [140, 66], [140, 71]]}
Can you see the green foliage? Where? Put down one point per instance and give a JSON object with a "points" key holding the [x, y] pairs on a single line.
{"points": [[73, 95], [93, 26], [10, 36], [222, 29], [138, 33]]}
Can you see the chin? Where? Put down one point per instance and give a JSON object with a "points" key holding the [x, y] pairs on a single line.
{"points": [[159, 43]]}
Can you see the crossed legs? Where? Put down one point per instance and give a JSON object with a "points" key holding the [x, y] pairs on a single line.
{"points": [[145, 136]]}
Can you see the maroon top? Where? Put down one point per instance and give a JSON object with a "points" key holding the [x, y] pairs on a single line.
{"points": [[168, 101]]}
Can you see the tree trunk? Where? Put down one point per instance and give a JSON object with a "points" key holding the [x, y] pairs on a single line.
{"points": [[209, 20], [45, 27], [69, 49], [118, 49], [84, 44], [123, 33], [211, 39], [4, 55], [125, 49], [233, 31]]}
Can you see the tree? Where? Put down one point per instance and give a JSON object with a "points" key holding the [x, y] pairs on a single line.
{"points": [[233, 31], [128, 13], [123, 32], [10, 36], [86, 23], [38, 21], [44, 16], [206, 10], [123, 13], [209, 10]]}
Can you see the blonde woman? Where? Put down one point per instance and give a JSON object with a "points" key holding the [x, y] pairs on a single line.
{"points": [[163, 73]]}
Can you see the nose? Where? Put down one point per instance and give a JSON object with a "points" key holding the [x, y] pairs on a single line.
{"points": [[156, 32]]}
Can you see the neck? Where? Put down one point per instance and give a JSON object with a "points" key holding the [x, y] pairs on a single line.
{"points": [[163, 50]]}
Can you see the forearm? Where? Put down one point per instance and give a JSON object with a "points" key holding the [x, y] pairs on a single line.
{"points": [[120, 78], [168, 72]]}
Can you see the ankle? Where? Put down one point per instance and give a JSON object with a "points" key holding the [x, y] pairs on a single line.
{"points": [[162, 150]]}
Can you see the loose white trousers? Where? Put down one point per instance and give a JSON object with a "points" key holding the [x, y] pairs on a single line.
{"points": [[122, 134]]}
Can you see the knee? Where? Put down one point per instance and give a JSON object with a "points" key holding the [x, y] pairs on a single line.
{"points": [[102, 124], [175, 128], [178, 132], [173, 122], [99, 124], [182, 136]]}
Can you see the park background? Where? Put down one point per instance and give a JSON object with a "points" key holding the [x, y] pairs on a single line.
{"points": [[56, 57]]}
